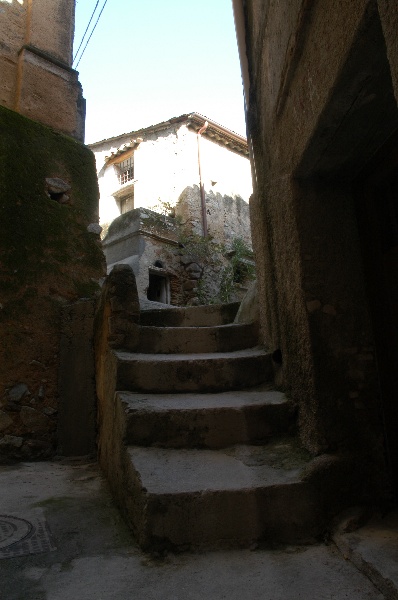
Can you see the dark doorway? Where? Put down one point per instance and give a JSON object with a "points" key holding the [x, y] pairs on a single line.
{"points": [[158, 289], [377, 209]]}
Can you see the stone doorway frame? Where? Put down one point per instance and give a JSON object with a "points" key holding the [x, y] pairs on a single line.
{"points": [[358, 119]]}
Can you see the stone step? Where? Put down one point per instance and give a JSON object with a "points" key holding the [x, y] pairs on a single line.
{"points": [[190, 316], [183, 340], [185, 499], [210, 372], [205, 420]]}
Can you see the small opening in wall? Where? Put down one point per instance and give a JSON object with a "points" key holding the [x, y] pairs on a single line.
{"points": [[277, 356], [57, 189], [56, 195], [159, 288], [158, 264]]}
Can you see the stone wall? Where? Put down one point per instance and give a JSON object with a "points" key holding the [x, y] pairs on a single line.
{"points": [[228, 220], [35, 64], [320, 105], [51, 265], [228, 217]]}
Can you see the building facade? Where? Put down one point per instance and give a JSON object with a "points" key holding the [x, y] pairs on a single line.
{"points": [[188, 169]]}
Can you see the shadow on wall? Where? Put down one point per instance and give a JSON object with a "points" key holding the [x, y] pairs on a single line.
{"points": [[51, 260]]}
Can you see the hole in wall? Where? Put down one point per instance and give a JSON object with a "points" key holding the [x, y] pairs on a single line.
{"points": [[57, 189]]}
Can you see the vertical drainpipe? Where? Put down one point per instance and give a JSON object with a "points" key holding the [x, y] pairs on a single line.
{"points": [[202, 188]]}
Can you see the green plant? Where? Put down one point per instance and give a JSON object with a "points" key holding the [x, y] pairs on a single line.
{"points": [[223, 268], [204, 249], [227, 286], [202, 293], [161, 218], [241, 261]]}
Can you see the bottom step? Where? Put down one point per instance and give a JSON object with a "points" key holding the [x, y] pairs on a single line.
{"points": [[185, 499]]}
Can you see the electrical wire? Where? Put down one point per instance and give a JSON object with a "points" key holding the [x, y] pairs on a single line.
{"points": [[92, 31], [81, 41]]}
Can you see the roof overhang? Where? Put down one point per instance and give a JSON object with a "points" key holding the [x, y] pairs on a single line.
{"points": [[194, 121]]}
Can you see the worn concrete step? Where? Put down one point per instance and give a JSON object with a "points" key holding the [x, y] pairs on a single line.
{"points": [[190, 316], [183, 340], [209, 372], [205, 420], [207, 498], [372, 547]]}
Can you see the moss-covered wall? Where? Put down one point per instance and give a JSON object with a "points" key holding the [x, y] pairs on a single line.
{"points": [[49, 258]]}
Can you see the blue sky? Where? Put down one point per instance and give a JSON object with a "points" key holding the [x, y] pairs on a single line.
{"points": [[149, 60]]}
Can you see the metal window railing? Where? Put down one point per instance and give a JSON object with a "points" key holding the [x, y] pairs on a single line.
{"points": [[126, 176], [126, 170]]}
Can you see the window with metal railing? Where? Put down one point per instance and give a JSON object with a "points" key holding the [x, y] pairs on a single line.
{"points": [[126, 170]]}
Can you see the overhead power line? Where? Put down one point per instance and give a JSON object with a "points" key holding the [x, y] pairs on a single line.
{"points": [[81, 41], [92, 31]]}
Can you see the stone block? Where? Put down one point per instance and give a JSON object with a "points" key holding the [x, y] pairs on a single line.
{"points": [[11, 441], [34, 420], [17, 392], [5, 420]]}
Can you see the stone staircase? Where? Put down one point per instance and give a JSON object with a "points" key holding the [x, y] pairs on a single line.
{"points": [[199, 449]]}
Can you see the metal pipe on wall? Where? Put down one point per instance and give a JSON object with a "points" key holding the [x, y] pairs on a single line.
{"points": [[202, 189]]}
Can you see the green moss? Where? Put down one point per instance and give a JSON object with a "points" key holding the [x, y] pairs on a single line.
{"points": [[86, 289], [38, 236]]}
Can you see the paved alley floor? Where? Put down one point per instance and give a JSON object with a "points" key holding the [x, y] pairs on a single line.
{"points": [[61, 538]]}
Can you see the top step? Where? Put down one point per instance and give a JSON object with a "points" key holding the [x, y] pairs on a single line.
{"points": [[207, 315]]}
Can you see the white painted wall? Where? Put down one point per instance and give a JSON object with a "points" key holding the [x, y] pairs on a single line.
{"points": [[229, 170], [166, 163]]}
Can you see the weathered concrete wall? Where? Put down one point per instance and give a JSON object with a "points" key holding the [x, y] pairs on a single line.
{"points": [[320, 104], [35, 63], [139, 239], [51, 258]]}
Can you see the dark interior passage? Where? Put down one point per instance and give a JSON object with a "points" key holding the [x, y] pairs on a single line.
{"points": [[158, 289], [377, 209]]}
